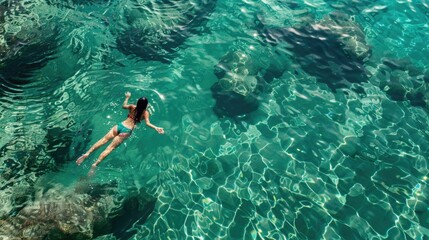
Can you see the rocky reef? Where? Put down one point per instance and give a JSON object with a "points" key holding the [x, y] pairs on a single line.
{"points": [[86, 211], [154, 29], [332, 49], [25, 43], [242, 76], [236, 90], [31, 150], [402, 81]]}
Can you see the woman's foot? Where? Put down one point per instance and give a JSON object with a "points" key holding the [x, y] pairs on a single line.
{"points": [[92, 171], [81, 158]]}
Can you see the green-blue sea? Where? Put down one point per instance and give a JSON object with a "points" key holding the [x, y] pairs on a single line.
{"points": [[283, 119]]}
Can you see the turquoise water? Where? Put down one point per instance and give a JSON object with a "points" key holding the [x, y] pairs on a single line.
{"points": [[283, 119]]}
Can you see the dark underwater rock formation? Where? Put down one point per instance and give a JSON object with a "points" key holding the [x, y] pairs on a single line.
{"points": [[235, 92], [26, 46], [241, 78], [154, 29], [402, 81], [332, 49], [27, 43], [34, 144], [21, 163], [88, 211]]}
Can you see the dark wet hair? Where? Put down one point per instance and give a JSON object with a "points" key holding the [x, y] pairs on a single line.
{"points": [[141, 106]]}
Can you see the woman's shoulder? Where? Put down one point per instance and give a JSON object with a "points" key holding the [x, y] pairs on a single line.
{"points": [[129, 106], [145, 114]]}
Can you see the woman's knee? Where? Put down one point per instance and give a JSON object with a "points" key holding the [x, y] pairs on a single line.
{"points": [[106, 152]]}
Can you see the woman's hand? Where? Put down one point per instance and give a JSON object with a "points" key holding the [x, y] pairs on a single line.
{"points": [[159, 130], [125, 104]]}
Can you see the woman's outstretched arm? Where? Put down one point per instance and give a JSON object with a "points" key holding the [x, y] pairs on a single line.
{"points": [[148, 123]]}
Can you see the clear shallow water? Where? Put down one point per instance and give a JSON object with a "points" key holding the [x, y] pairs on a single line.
{"points": [[326, 154]]}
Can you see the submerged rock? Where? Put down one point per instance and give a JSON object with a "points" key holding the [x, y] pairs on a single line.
{"points": [[349, 34], [34, 144], [155, 29], [25, 43], [332, 49], [230, 103], [236, 72], [402, 81], [84, 213], [236, 90], [241, 78]]}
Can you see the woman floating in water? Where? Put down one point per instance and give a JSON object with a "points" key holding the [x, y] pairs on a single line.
{"points": [[121, 131]]}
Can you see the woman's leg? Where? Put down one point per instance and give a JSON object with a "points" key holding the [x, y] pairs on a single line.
{"points": [[111, 134], [115, 143]]}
